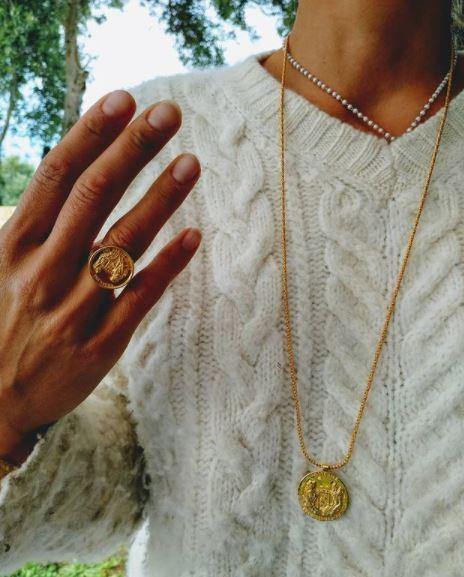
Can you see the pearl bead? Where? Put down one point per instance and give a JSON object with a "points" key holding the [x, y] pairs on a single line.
{"points": [[358, 113]]}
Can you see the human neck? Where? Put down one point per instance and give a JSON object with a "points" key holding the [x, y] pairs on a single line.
{"points": [[356, 41], [386, 57]]}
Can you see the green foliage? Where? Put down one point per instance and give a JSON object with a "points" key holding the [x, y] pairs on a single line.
{"points": [[15, 175], [199, 27], [32, 75], [113, 567], [32, 51], [88, 9], [33, 65]]}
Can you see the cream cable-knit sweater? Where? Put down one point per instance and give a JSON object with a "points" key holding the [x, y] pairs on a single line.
{"points": [[205, 383]]}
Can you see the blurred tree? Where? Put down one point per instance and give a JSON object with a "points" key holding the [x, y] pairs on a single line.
{"points": [[74, 16], [200, 27], [14, 177], [31, 69], [43, 69], [42, 77]]}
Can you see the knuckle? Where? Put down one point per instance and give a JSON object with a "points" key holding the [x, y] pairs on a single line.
{"points": [[164, 264], [167, 194], [141, 139], [136, 297], [51, 171], [15, 235], [25, 288], [28, 283], [95, 125], [8, 240], [101, 347], [166, 269], [125, 235], [89, 189], [139, 291]]}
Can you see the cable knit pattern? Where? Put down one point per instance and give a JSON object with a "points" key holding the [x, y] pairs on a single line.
{"points": [[247, 342], [203, 388], [62, 476], [355, 228]]}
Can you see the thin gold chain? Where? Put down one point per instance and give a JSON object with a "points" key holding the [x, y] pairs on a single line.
{"points": [[391, 307]]}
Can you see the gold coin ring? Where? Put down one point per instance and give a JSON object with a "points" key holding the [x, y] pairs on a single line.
{"points": [[111, 267]]}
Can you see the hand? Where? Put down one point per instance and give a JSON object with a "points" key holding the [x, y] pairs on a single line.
{"points": [[60, 333]]}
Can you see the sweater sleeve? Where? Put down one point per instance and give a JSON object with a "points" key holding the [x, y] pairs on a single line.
{"points": [[81, 492]]}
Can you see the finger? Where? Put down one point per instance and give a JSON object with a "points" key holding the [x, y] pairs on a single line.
{"points": [[56, 174], [135, 231], [147, 287], [101, 186]]}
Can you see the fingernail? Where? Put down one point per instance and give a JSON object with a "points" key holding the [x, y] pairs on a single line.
{"points": [[164, 115], [186, 168], [191, 239], [117, 103]]}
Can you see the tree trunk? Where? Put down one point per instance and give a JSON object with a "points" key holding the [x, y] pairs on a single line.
{"points": [[11, 106], [12, 97], [76, 75]]}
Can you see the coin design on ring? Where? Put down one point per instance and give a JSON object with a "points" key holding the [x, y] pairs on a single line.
{"points": [[111, 267]]}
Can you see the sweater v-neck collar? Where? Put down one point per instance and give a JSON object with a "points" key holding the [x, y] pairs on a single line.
{"points": [[311, 132]]}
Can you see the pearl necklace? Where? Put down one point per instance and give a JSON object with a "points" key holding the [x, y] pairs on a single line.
{"points": [[356, 112]]}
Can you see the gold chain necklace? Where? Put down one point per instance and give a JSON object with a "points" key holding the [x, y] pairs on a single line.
{"points": [[321, 494]]}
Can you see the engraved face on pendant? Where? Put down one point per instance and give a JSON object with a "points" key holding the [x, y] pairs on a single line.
{"points": [[323, 495]]}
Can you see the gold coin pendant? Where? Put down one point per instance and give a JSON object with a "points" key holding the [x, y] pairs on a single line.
{"points": [[111, 267], [323, 495]]}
